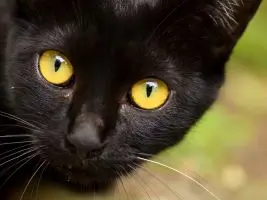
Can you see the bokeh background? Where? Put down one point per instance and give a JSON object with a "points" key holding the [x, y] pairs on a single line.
{"points": [[227, 150]]}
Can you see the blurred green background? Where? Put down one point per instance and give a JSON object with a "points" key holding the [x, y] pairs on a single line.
{"points": [[226, 151]]}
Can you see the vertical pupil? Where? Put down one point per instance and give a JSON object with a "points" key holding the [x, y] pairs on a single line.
{"points": [[149, 89], [57, 64]]}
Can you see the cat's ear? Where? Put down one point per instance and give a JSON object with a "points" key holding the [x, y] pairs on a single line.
{"points": [[215, 25], [232, 16], [219, 23], [224, 22]]}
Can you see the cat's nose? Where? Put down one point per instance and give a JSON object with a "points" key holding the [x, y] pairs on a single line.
{"points": [[85, 138]]}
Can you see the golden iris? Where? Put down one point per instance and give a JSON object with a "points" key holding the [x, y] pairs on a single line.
{"points": [[55, 68], [150, 93]]}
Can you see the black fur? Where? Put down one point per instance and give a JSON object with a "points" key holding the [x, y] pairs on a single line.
{"points": [[112, 44]]}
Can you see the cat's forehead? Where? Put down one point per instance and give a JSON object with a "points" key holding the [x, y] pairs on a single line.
{"points": [[136, 3], [122, 7]]}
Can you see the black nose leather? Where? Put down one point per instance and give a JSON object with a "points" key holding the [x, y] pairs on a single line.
{"points": [[85, 137]]}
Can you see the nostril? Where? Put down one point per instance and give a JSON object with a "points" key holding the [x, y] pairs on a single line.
{"points": [[85, 136], [89, 151], [84, 142]]}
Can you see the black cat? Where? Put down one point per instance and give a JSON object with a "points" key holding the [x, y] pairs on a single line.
{"points": [[95, 84]]}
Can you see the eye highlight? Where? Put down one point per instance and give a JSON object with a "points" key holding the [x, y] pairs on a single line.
{"points": [[55, 68], [149, 94]]}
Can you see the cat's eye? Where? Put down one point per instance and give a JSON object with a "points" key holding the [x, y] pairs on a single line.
{"points": [[55, 68], [149, 94]]}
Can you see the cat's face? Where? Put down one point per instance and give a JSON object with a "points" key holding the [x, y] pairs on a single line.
{"points": [[74, 69]]}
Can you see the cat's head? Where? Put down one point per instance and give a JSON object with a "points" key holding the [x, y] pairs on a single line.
{"points": [[106, 81]]}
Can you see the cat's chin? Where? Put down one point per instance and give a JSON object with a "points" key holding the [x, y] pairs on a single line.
{"points": [[94, 173], [78, 177], [87, 184], [83, 180], [82, 183]]}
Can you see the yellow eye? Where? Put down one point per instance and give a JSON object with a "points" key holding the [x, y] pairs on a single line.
{"points": [[55, 68], [149, 93]]}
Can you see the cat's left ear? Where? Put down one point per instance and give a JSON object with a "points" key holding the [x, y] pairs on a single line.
{"points": [[218, 23], [232, 16], [222, 22]]}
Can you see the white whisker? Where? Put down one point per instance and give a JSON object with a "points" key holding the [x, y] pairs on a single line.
{"points": [[14, 136], [164, 184], [13, 117], [28, 183], [122, 184], [3, 172], [124, 189], [39, 181], [144, 183], [138, 186], [8, 161], [13, 154], [144, 154], [18, 126], [11, 143], [15, 149], [181, 173], [28, 159]]}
